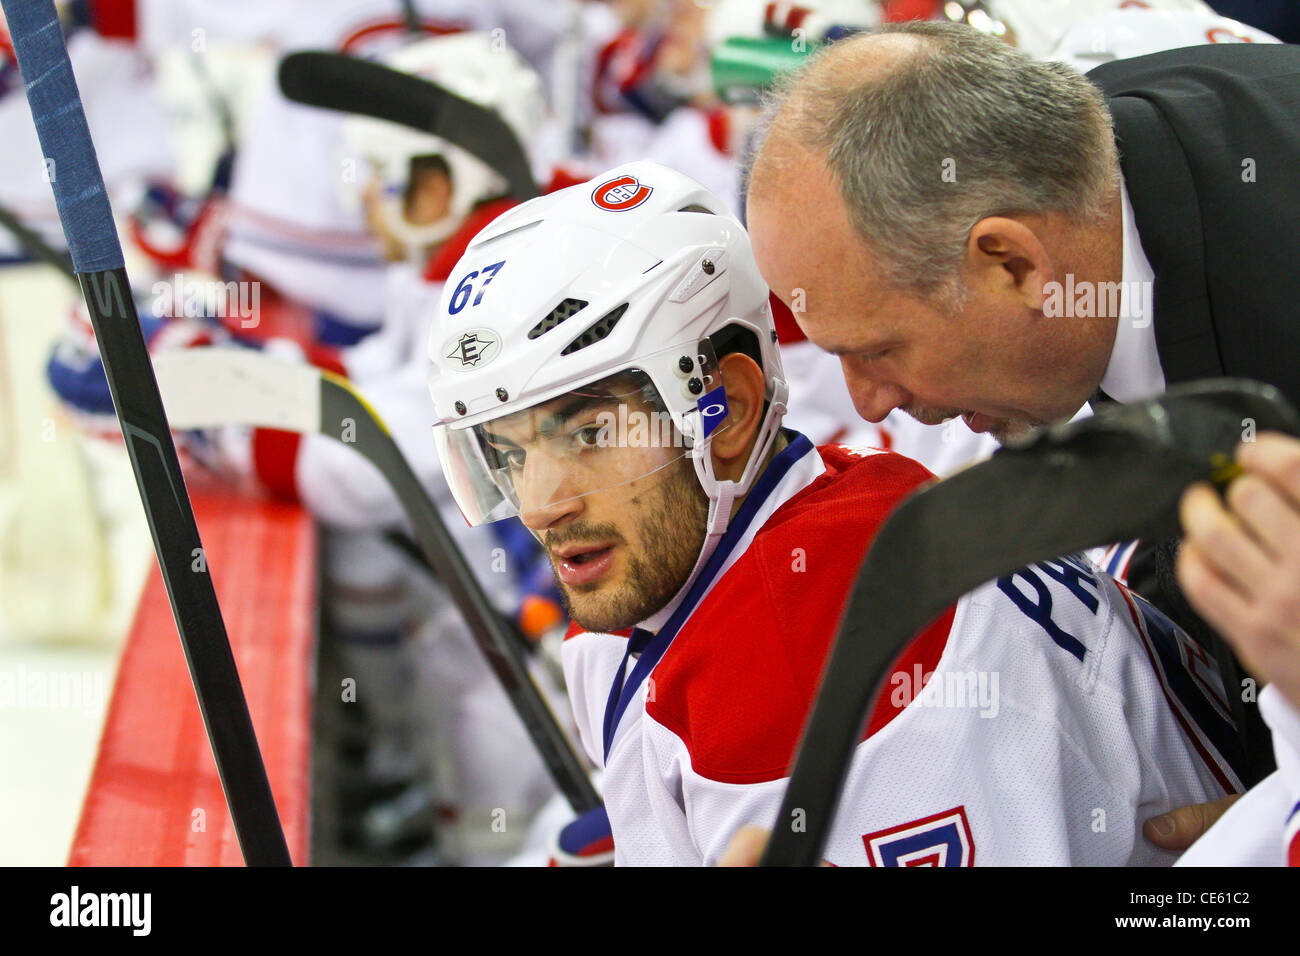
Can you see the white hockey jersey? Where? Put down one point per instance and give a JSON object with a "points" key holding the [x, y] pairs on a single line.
{"points": [[1039, 721], [1263, 827]]}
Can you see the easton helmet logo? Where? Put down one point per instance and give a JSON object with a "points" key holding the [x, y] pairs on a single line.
{"points": [[473, 348], [621, 193]]}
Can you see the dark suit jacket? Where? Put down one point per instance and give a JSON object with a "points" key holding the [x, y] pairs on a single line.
{"points": [[1225, 249], [1209, 143]]}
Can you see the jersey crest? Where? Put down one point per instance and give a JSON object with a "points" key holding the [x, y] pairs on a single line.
{"points": [[941, 839]]}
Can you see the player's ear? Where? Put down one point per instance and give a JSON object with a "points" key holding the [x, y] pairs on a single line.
{"points": [[1006, 258], [745, 385]]}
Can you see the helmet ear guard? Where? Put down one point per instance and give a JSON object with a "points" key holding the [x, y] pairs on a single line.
{"points": [[723, 493]]}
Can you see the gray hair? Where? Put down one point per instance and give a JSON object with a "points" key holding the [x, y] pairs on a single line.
{"points": [[1013, 134]]}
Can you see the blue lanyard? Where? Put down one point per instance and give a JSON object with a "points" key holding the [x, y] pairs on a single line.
{"points": [[652, 646]]}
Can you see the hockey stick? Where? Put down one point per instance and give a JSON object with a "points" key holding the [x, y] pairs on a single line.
{"points": [[338, 82], [208, 387], [411, 17], [97, 258], [412, 551], [1110, 478], [35, 244]]}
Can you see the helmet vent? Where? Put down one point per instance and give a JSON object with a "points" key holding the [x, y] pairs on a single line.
{"points": [[566, 309], [599, 330]]}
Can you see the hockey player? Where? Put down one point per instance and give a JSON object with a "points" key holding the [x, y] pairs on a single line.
{"points": [[604, 367]]}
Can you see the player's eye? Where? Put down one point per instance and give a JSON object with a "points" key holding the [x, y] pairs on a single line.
{"points": [[508, 456], [588, 436]]}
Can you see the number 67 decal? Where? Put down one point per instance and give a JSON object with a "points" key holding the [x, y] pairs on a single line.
{"points": [[460, 297]]}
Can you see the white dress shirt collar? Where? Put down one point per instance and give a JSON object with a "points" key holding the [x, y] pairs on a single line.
{"points": [[1134, 372]]}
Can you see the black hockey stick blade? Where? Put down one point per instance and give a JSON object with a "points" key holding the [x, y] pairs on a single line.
{"points": [[97, 258], [336, 81], [1113, 477], [205, 388]]}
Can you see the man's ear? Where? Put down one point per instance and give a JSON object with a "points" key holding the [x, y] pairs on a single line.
{"points": [[745, 384], [1006, 257]]}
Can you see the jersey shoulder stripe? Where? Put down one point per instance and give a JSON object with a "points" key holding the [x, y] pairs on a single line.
{"points": [[1193, 688]]}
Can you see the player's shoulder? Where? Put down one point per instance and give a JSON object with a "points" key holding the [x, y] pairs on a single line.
{"points": [[802, 560], [858, 488], [736, 684]]}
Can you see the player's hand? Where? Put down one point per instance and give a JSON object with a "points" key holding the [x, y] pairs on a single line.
{"points": [[1240, 564], [747, 846], [1179, 829]]}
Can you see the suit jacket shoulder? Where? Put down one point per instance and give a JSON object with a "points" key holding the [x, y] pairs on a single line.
{"points": [[1209, 142]]}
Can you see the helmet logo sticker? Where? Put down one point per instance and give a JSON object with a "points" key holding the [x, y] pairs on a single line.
{"points": [[713, 409], [473, 348], [621, 193]]}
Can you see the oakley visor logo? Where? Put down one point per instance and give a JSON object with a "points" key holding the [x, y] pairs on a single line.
{"points": [[620, 194]]}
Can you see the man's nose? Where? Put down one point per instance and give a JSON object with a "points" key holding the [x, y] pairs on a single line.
{"points": [[873, 398], [546, 498]]}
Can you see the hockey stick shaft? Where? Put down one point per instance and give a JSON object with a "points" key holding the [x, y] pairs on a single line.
{"points": [[97, 258], [415, 554]]}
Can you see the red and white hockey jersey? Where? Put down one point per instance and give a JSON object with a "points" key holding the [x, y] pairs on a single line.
{"points": [[1039, 721]]}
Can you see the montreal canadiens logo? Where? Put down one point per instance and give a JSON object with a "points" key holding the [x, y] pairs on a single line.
{"points": [[473, 347], [621, 193]]}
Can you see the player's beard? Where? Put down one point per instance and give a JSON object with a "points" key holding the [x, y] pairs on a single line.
{"points": [[671, 523]]}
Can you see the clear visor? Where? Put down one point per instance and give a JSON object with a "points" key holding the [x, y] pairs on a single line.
{"points": [[614, 437]]}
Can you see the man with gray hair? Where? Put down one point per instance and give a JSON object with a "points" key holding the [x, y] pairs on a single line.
{"points": [[954, 219], [977, 233]]}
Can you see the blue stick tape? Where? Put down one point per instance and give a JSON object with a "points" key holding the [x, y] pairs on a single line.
{"points": [[65, 138]]}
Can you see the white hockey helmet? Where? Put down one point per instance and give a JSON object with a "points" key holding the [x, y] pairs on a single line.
{"points": [[1125, 33], [1036, 26], [574, 313], [478, 67]]}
